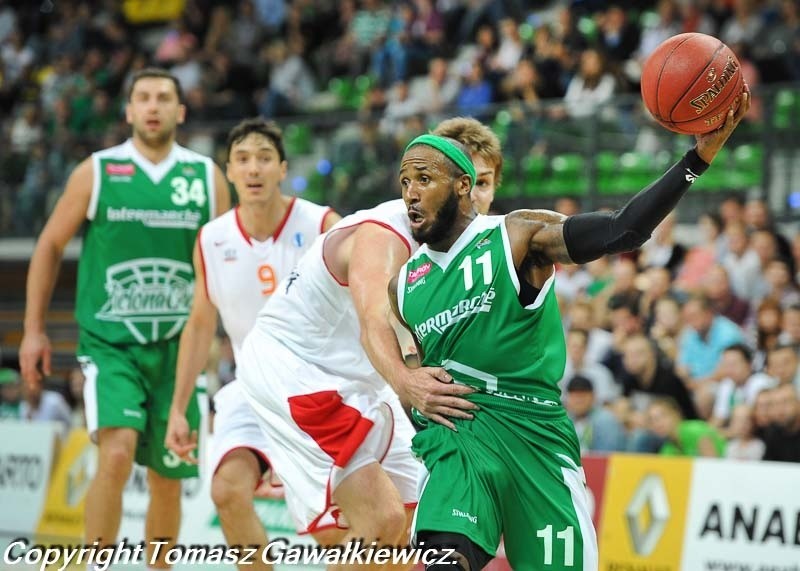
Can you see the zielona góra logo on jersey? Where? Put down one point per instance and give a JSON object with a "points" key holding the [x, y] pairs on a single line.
{"points": [[153, 291], [440, 322]]}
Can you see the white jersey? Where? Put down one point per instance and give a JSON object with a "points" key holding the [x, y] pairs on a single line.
{"points": [[241, 273], [312, 313]]}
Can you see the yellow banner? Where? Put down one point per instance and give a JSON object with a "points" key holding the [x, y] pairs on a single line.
{"points": [[644, 513], [63, 513]]}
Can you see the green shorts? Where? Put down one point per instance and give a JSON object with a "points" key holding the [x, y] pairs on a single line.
{"points": [[513, 471], [130, 386]]}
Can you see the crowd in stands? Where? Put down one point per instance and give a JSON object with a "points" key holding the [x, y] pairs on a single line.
{"points": [[668, 354], [64, 66]]}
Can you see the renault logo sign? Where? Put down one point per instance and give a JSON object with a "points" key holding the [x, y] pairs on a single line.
{"points": [[645, 533]]}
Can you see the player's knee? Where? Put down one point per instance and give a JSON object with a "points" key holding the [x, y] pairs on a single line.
{"points": [[454, 551], [392, 522], [227, 492], [116, 461]]}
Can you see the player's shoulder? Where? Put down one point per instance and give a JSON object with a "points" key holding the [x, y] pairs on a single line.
{"points": [[307, 209], [117, 152], [184, 155], [222, 224]]}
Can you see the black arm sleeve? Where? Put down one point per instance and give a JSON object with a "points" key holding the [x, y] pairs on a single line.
{"points": [[594, 234]]}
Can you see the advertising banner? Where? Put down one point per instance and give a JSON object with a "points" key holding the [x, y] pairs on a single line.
{"points": [[26, 459], [644, 512], [743, 515]]}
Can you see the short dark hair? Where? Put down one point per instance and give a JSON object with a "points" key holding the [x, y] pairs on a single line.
{"points": [[260, 126], [580, 384], [156, 72], [742, 349], [627, 301]]}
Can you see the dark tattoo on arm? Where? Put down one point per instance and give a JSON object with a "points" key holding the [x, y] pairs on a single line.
{"points": [[544, 229]]}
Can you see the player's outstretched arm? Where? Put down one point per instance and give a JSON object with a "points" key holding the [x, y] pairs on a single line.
{"points": [[69, 213], [584, 237], [193, 352], [376, 256]]}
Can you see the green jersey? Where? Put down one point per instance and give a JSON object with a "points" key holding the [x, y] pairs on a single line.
{"points": [[135, 275], [464, 309]]}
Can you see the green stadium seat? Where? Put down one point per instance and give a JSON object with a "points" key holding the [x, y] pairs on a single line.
{"points": [[747, 166], [636, 170], [607, 168], [297, 139], [787, 109], [510, 181], [501, 124], [534, 173], [343, 88], [568, 175]]}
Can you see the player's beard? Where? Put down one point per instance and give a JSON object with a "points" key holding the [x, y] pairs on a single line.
{"points": [[157, 139], [445, 218]]}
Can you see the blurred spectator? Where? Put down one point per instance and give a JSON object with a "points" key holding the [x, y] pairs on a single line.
{"points": [[776, 52], [649, 377], [626, 321], [662, 250], [667, 326], [782, 365], [767, 331], [16, 56], [724, 302], [706, 336], [781, 286], [509, 51], [476, 91], [582, 316], [783, 438], [758, 218], [742, 263], [731, 210], [739, 385], [743, 445], [667, 25], [604, 388], [591, 87], [683, 437], [437, 90], [598, 430], [699, 258], [571, 281], [658, 286], [762, 412], [26, 130], [10, 394], [291, 83], [619, 37], [745, 25], [41, 405], [790, 326]]}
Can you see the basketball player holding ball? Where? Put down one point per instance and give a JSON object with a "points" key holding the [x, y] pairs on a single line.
{"points": [[512, 468]]}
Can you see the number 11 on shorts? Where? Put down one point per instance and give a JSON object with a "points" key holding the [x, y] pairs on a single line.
{"points": [[566, 535]]}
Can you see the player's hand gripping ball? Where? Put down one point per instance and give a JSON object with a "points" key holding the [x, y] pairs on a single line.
{"points": [[690, 81]]}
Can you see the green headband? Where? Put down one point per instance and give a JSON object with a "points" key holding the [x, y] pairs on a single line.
{"points": [[449, 150]]}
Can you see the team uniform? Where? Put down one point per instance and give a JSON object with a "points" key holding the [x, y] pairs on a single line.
{"points": [[325, 409], [514, 470], [241, 273], [135, 288]]}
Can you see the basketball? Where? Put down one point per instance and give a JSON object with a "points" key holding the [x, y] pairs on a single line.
{"points": [[690, 81]]}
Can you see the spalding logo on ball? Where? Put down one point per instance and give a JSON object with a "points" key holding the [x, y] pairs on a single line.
{"points": [[690, 82]]}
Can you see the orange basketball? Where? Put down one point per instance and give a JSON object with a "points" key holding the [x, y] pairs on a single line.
{"points": [[690, 81]]}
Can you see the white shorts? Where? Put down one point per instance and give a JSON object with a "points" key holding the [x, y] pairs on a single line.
{"points": [[322, 428], [235, 426]]}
